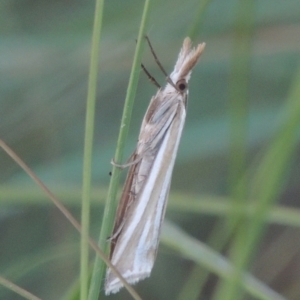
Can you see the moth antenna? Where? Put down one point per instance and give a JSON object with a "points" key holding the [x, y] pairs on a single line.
{"points": [[150, 77], [155, 57], [158, 62]]}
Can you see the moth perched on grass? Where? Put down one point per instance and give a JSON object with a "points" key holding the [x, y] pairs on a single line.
{"points": [[142, 207]]}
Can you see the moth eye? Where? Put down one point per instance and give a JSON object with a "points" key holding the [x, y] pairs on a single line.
{"points": [[181, 85]]}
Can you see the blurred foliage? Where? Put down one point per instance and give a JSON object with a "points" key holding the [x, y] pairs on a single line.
{"points": [[45, 48]]}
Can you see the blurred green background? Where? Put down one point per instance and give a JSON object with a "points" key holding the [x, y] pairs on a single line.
{"points": [[44, 62]]}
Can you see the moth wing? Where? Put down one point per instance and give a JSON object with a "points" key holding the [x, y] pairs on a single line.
{"points": [[135, 252], [149, 131], [126, 200], [157, 119]]}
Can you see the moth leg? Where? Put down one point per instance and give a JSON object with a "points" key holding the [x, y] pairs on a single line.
{"points": [[116, 233], [159, 64], [128, 164]]}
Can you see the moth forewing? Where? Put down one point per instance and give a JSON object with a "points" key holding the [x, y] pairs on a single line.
{"points": [[143, 202], [136, 247]]}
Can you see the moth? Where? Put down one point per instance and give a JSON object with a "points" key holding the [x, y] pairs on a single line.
{"points": [[142, 207]]}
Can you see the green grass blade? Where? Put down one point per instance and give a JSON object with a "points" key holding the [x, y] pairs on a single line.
{"points": [[268, 181], [88, 148], [110, 208], [238, 110], [193, 249], [196, 26]]}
